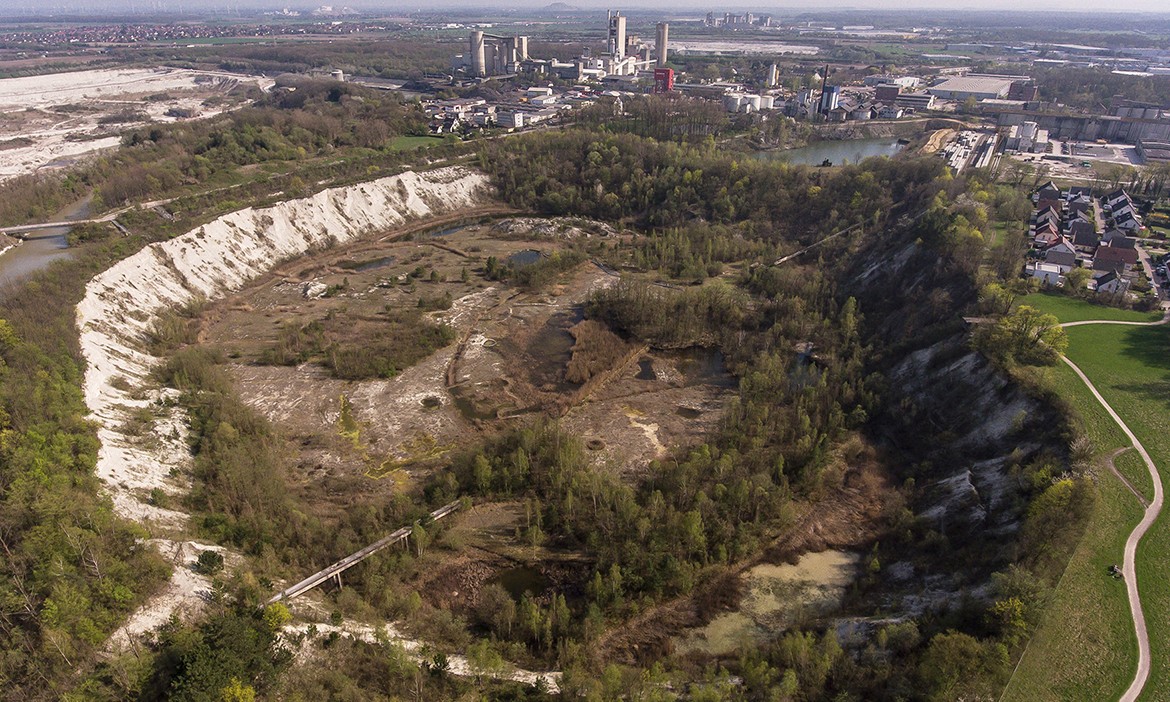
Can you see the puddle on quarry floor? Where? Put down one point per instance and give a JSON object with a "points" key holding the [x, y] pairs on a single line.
{"points": [[778, 596]]}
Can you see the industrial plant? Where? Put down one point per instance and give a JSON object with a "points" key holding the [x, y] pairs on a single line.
{"points": [[494, 56]]}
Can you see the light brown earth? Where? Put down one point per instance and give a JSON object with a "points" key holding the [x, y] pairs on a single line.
{"points": [[507, 364]]}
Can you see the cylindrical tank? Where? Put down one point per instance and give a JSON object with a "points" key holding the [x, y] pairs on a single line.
{"points": [[732, 102], [662, 44], [510, 51], [478, 59]]}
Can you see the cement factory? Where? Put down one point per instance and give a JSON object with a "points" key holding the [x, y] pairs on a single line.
{"points": [[494, 56]]}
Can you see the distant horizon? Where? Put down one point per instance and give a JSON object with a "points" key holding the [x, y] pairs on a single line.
{"points": [[14, 9]]}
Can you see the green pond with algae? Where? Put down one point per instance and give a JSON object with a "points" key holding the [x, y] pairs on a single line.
{"points": [[778, 596]]}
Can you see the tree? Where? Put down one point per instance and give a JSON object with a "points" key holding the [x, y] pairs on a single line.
{"points": [[209, 562], [485, 660], [958, 666], [1025, 335], [276, 615], [1076, 281], [1006, 616], [420, 537], [995, 298], [236, 691]]}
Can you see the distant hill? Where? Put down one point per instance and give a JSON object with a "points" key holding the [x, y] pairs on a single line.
{"points": [[560, 7]]}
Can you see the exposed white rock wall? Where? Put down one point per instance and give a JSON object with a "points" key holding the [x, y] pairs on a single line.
{"points": [[122, 303]]}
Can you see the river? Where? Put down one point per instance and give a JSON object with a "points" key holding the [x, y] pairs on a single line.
{"points": [[41, 248], [837, 152]]}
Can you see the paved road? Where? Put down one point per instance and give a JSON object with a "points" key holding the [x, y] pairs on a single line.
{"points": [[1148, 266], [1148, 519]]}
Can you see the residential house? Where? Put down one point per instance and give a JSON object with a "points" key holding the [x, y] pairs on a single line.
{"points": [[1062, 254], [1111, 283], [1119, 238], [1084, 236], [1080, 209], [1048, 191], [1048, 216], [1113, 199], [1048, 273], [1114, 258], [1045, 236], [1045, 204], [1127, 220]]}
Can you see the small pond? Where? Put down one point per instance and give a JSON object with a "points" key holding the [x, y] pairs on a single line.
{"points": [[526, 257], [520, 580]]}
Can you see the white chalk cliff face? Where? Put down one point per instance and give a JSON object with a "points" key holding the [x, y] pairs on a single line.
{"points": [[122, 304]]}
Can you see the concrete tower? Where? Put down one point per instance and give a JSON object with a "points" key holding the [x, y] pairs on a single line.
{"points": [[617, 35], [478, 57], [662, 43]]}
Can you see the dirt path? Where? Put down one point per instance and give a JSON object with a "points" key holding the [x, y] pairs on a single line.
{"points": [[1153, 510], [937, 139]]}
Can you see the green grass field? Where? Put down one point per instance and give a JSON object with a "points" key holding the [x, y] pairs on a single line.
{"points": [[1068, 309], [1131, 368], [1087, 628], [406, 143], [1131, 465]]}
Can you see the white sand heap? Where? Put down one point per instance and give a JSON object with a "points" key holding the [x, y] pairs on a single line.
{"points": [[122, 304]]}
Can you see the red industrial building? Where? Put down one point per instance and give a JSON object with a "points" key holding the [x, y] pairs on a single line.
{"points": [[663, 80]]}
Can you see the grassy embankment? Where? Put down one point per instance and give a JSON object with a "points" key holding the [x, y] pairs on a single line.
{"points": [[1087, 626], [1070, 309]]}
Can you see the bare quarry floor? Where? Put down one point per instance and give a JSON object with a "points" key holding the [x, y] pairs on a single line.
{"points": [[52, 121], [505, 365]]}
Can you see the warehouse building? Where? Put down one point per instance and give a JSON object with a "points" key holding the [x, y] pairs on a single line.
{"points": [[971, 86]]}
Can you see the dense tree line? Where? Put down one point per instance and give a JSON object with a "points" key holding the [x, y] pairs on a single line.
{"points": [[669, 117], [70, 570], [696, 250], [654, 184]]}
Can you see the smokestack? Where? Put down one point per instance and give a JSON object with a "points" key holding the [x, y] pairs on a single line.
{"points": [[824, 82], [773, 76], [662, 45], [478, 59]]}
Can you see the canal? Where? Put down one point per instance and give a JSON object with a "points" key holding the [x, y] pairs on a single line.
{"points": [[41, 248]]}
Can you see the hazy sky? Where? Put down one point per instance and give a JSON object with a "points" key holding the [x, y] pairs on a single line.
{"points": [[41, 7]]}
